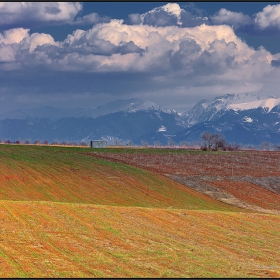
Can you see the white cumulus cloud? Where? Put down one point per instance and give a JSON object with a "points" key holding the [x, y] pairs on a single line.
{"points": [[268, 17], [224, 16]]}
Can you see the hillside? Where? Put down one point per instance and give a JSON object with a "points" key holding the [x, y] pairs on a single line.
{"points": [[65, 174], [247, 179], [66, 212], [47, 239]]}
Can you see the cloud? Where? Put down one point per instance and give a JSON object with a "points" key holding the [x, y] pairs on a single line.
{"points": [[14, 35], [92, 18], [269, 17], [31, 14], [116, 46], [117, 58], [168, 15], [224, 16]]}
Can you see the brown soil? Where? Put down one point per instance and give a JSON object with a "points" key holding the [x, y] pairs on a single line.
{"points": [[247, 179]]}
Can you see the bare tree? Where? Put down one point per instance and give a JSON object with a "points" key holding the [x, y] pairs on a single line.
{"points": [[184, 144], [219, 142], [276, 147], [265, 146], [213, 141], [170, 143], [157, 144], [144, 143], [208, 139]]}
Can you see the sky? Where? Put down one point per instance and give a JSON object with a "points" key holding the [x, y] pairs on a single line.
{"points": [[85, 54]]}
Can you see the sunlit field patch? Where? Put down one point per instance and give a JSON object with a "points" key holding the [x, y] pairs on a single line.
{"points": [[47, 239]]}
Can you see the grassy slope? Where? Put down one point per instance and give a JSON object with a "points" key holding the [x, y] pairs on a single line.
{"points": [[51, 225], [30, 173]]}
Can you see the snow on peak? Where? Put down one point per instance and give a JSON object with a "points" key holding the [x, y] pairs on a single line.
{"points": [[207, 110], [263, 103], [148, 105], [238, 102]]}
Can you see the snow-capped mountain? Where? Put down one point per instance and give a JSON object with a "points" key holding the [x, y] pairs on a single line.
{"points": [[211, 110], [129, 105], [247, 119], [243, 119], [127, 120]]}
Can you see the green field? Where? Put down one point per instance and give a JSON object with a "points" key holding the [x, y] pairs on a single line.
{"points": [[66, 214]]}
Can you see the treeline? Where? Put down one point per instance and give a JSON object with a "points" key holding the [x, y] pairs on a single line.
{"points": [[45, 142], [210, 142]]}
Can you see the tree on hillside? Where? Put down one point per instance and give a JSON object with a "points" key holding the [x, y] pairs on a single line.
{"points": [[213, 141]]}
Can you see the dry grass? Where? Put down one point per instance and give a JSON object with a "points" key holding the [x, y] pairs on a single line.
{"points": [[46, 239]]}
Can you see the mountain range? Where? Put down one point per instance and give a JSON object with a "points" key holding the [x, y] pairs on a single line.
{"points": [[248, 119]]}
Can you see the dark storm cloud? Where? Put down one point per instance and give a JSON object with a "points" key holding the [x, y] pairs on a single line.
{"points": [[92, 18], [190, 20], [53, 10], [97, 47], [213, 61], [188, 50]]}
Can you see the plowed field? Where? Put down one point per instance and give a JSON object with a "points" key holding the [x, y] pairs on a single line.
{"points": [[66, 214], [217, 174]]}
